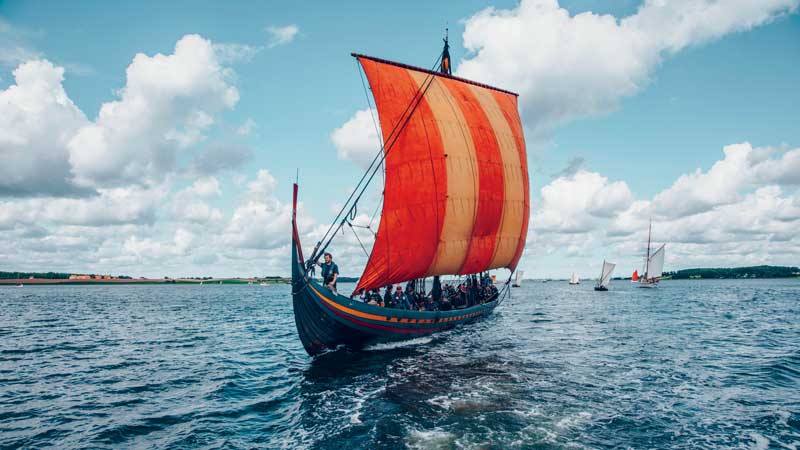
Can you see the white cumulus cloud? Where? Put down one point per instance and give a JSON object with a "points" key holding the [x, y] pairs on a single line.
{"points": [[745, 209], [566, 66], [358, 139], [37, 120], [167, 102]]}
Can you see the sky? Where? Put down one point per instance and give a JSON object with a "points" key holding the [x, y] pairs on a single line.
{"points": [[161, 139]]}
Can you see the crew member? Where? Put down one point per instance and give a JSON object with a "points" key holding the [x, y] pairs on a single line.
{"points": [[330, 272]]}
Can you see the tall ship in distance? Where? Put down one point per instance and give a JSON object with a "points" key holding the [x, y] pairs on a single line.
{"points": [[455, 205], [653, 264]]}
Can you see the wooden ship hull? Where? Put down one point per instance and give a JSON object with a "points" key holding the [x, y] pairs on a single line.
{"points": [[326, 320]]}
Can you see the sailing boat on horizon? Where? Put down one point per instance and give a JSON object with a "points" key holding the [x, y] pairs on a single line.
{"points": [[605, 276], [653, 264], [518, 279], [574, 279], [455, 203]]}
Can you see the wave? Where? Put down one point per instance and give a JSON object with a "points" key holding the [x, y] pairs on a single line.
{"points": [[399, 344]]}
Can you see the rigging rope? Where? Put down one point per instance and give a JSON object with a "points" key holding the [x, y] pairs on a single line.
{"points": [[358, 239], [405, 117], [372, 115], [369, 104], [375, 213]]}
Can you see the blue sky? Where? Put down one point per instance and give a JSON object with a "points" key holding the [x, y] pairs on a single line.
{"points": [[666, 108]]}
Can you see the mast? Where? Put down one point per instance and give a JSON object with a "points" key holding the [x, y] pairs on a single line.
{"points": [[445, 67], [647, 259]]}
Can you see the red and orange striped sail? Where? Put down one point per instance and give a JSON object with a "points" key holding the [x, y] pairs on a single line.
{"points": [[456, 195]]}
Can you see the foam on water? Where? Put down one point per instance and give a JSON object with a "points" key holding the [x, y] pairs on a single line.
{"points": [[399, 344], [430, 440]]}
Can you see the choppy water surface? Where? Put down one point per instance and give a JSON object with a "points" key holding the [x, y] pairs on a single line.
{"points": [[692, 364]]}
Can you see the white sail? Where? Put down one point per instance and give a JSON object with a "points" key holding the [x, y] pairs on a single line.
{"points": [[655, 266], [605, 275], [574, 279], [518, 279]]}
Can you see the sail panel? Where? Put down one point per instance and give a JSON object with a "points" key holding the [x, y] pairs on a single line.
{"points": [[608, 269], [456, 195], [461, 166], [490, 179], [508, 105], [413, 206], [514, 197], [656, 267]]}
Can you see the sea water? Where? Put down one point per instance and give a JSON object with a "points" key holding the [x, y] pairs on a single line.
{"points": [[710, 364]]}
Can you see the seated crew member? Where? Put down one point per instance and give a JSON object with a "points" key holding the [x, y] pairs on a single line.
{"points": [[362, 295], [493, 292], [388, 298], [330, 272], [473, 290], [462, 295], [399, 297], [373, 301], [410, 298], [375, 296], [417, 299]]}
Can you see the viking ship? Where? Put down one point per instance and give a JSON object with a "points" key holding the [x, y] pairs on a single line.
{"points": [[455, 203]]}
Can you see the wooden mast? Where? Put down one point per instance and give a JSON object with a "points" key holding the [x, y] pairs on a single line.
{"points": [[647, 258]]}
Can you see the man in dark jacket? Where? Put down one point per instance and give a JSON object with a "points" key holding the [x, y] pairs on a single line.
{"points": [[330, 272]]}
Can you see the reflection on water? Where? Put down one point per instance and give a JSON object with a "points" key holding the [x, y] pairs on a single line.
{"points": [[695, 363]]}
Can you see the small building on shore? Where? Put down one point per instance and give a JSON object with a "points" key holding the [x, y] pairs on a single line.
{"points": [[80, 277]]}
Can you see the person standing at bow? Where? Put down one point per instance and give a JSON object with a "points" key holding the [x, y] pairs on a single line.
{"points": [[330, 272]]}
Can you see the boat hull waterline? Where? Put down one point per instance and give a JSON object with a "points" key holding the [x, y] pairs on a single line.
{"points": [[326, 320]]}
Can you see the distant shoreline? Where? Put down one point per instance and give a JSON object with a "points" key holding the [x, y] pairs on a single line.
{"points": [[63, 281]]}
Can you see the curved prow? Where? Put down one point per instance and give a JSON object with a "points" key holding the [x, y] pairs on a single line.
{"points": [[297, 248]]}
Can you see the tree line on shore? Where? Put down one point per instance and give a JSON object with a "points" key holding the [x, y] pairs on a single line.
{"points": [[45, 275], [735, 272]]}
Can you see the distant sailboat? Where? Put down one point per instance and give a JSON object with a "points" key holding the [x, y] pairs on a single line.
{"points": [[653, 264], [574, 279], [518, 279], [605, 276]]}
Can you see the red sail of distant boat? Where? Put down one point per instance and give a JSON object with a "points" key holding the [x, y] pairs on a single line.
{"points": [[635, 276], [456, 193]]}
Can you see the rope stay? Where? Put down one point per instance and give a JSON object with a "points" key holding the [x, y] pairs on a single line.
{"points": [[358, 239]]}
